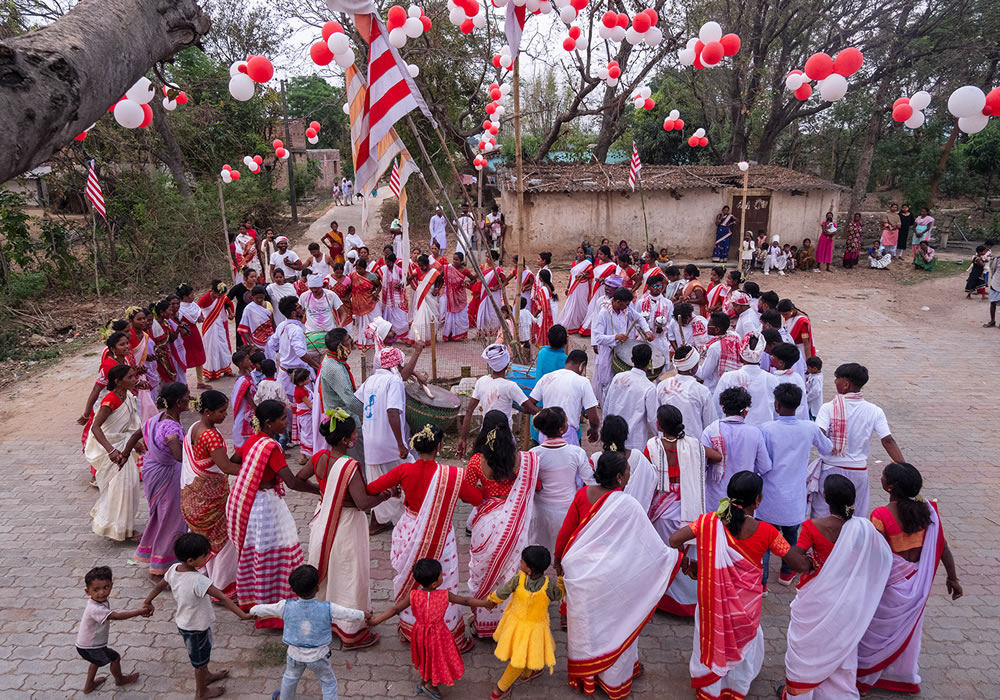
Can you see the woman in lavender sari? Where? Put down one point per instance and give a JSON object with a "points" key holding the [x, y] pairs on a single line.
{"points": [[161, 480]]}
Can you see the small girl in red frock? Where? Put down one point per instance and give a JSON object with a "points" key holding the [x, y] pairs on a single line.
{"points": [[432, 646]]}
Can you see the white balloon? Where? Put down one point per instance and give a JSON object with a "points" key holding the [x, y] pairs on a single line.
{"points": [[602, 73], [967, 101], [639, 102], [632, 36], [499, 111], [347, 109], [686, 57], [519, 3], [743, 165], [312, 139], [129, 114], [235, 68], [973, 124], [834, 87], [345, 59], [920, 100], [692, 42], [545, 8], [287, 153], [169, 105], [699, 133], [710, 31], [794, 81], [653, 37], [241, 87], [506, 62], [226, 177], [505, 50], [505, 89], [248, 161], [646, 91], [560, 4], [612, 82], [397, 37], [479, 21], [456, 15], [337, 43], [617, 34], [532, 6], [413, 11], [500, 3], [414, 70], [567, 14], [142, 92], [674, 115], [916, 121]]}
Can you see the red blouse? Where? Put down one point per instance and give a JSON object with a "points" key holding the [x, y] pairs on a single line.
{"points": [[275, 463], [811, 538], [766, 537], [415, 478], [208, 442], [491, 489], [898, 540], [579, 509]]}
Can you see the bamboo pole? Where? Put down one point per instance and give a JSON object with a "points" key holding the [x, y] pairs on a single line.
{"points": [[97, 281], [642, 200], [225, 230], [743, 209], [434, 356], [519, 165]]}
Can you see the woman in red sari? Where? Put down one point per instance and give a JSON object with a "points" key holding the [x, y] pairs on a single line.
{"points": [[188, 316], [457, 278], [693, 292], [728, 641], [341, 286], [116, 352], [798, 326], [365, 289], [541, 308]]}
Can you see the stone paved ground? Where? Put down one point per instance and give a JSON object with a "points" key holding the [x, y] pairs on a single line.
{"points": [[933, 371]]}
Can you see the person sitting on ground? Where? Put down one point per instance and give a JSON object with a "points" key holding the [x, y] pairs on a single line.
{"points": [[806, 255], [924, 257], [879, 258]]}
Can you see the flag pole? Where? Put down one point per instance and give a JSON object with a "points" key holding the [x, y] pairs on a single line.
{"points": [[97, 280], [519, 166], [225, 232], [642, 200]]}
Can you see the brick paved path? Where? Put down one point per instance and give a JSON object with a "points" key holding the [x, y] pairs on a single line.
{"points": [[933, 372]]}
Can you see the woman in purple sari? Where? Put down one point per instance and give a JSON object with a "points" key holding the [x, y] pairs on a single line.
{"points": [[161, 479]]}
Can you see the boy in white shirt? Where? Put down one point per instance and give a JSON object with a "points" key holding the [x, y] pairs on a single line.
{"points": [[814, 385], [495, 392], [524, 323], [569, 389], [775, 258], [633, 397], [193, 593]]}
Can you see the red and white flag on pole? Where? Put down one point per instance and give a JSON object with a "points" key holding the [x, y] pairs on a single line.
{"points": [[93, 191], [634, 168], [513, 27], [394, 179]]}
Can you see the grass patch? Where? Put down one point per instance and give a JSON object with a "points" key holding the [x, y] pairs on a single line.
{"points": [[270, 653], [944, 268]]}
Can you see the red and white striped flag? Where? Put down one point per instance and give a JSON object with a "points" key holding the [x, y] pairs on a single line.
{"points": [[514, 26], [634, 168], [394, 179], [93, 191]]}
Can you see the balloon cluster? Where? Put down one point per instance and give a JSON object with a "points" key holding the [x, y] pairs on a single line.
{"points": [[480, 162], [253, 164], [244, 74], [611, 74], [279, 149], [312, 132], [406, 24], [575, 34], [173, 97], [503, 59], [910, 110], [494, 110], [569, 10], [332, 47], [614, 26], [973, 107], [466, 15], [709, 48], [698, 139], [673, 121], [830, 74], [228, 174], [642, 98], [133, 111]]}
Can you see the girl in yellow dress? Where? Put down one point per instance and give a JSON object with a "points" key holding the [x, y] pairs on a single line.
{"points": [[523, 636]]}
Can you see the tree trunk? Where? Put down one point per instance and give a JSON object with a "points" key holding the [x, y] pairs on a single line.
{"points": [[942, 163], [868, 149], [173, 158], [58, 80]]}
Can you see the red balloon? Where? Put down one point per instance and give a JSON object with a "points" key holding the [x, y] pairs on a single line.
{"points": [[260, 69], [614, 71], [610, 20], [320, 53], [641, 23], [235, 174], [331, 28], [280, 152], [426, 21], [574, 33], [819, 66], [487, 124], [314, 125], [494, 86], [653, 17], [569, 43], [703, 141], [494, 130], [578, 5], [81, 136], [471, 8], [182, 98], [848, 62], [678, 124], [712, 53], [147, 118], [698, 65], [491, 108], [902, 112], [467, 27], [496, 61], [668, 125], [227, 166], [258, 160], [693, 141], [310, 133], [612, 63], [241, 68], [648, 104], [993, 101], [803, 93], [495, 94], [623, 20], [276, 144], [901, 101], [698, 46], [482, 145], [395, 18], [731, 44]]}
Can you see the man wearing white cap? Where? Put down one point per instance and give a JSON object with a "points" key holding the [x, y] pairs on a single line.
{"points": [[495, 392], [658, 311], [352, 241], [613, 327], [747, 320], [775, 257], [684, 392], [750, 376], [321, 305], [284, 259], [633, 397], [439, 233]]}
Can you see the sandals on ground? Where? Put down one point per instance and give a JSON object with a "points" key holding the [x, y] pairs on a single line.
{"points": [[428, 691]]}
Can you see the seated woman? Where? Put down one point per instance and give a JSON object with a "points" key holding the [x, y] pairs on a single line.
{"points": [[878, 258], [923, 257]]}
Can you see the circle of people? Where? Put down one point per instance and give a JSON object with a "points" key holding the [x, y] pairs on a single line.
{"points": [[701, 477]]}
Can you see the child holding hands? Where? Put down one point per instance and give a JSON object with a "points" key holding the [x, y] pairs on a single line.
{"points": [[192, 592]]}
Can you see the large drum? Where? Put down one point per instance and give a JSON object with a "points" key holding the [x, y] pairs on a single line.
{"points": [[316, 344], [523, 376], [621, 360], [440, 408]]}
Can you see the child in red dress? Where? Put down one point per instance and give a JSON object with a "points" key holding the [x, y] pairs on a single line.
{"points": [[432, 646]]}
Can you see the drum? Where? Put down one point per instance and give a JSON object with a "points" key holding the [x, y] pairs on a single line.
{"points": [[440, 408], [621, 360], [523, 376], [316, 340]]}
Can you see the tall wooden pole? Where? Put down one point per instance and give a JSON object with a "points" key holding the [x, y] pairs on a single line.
{"points": [[291, 158], [97, 281], [743, 209], [225, 229], [515, 309]]}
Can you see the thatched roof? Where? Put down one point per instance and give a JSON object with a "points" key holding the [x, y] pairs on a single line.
{"points": [[614, 178]]}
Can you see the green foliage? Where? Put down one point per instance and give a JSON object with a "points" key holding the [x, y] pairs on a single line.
{"points": [[306, 175], [310, 97], [982, 152], [35, 253]]}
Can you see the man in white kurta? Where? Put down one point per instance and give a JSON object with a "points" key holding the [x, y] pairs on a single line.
{"points": [[633, 397], [569, 389], [658, 311], [722, 352], [784, 357], [747, 320], [751, 377], [320, 305], [613, 327], [438, 229], [684, 392]]}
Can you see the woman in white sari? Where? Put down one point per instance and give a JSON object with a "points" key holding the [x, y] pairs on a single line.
{"points": [[679, 463], [338, 531], [574, 309], [426, 306], [257, 323], [115, 432], [215, 331], [642, 481], [842, 580], [500, 525], [144, 353], [608, 552]]}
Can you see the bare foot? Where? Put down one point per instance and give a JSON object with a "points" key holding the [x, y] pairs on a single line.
{"points": [[203, 386], [216, 677], [210, 693], [127, 680], [91, 687], [134, 537]]}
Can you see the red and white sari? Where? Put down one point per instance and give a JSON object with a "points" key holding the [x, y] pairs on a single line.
{"points": [[256, 328], [394, 305], [799, 327], [889, 651], [541, 308], [215, 333], [500, 530], [574, 310], [455, 325], [426, 308], [487, 320], [614, 555], [429, 534], [364, 305], [601, 273], [717, 294], [822, 657]]}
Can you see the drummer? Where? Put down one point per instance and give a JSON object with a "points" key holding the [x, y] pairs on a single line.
{"points": [[614, 325], [633, 397], [320, 305]]}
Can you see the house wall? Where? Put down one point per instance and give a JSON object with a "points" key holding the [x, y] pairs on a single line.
{"points": [[686, 225]]}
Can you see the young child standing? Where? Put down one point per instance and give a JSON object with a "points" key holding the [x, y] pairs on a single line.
{"points": [[307, 630], [303, 398], [193, 593], [256, 358], [747, 254], [241, 401], [92, 639], [524, 637], [432, 647], [814, 385], [271, 389]]}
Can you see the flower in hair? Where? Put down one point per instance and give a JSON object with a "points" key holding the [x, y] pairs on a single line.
{"points": [[491, 438], [255, 424], [724, 511], [221, 288], [196, 404], [427, 433], [333, 416]]}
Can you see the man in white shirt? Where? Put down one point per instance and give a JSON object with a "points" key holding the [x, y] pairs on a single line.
{"points": [[284, 259], [352, 241], [747, 319], [613, 327], [722, 354], [658, 311], [684, 392], [784, 356], [773, 338], [495, 392], [750, 376], [467, 228], [689, 328], [438, 227], [320, 305], [290, 337], [383, 426], [495, 226], [569, 389], [278, 289], [849, 421], [633, 397]]}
